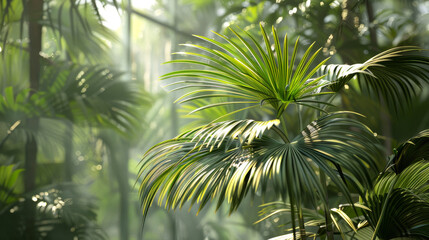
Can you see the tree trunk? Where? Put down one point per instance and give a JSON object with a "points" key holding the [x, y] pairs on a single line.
{"points": [[372, 28], [386, 126], [35, 13], [68, 153], [174, 116], [119, 161], [124, 198], [123, 161]]}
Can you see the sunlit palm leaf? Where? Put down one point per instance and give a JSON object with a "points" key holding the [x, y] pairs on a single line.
{"points": [[241, 69], [399, 203], [272, 209], [210, 115], [227, 160], [411, 151], [395, 74], [292, 236], [214, 135], [345, 212]]}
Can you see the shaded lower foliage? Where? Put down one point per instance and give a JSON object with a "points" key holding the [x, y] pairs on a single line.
{"points": [[62, 211]]}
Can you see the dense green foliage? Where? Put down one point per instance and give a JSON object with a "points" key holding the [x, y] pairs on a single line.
{"points": [[322, 128], [227, 160]]}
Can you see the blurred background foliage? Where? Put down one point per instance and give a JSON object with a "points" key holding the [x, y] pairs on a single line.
{"points": [[96, 104]]}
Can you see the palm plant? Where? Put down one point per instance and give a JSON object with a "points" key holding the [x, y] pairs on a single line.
{"points": [[397, 203], [227, 160], [70, 83]]}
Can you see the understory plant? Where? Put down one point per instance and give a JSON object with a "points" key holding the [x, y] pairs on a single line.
{"points": [[302, 148]]}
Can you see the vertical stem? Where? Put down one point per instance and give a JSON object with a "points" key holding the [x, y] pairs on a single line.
{"points": [[372, 28], [35, 14], [68, 152], [292, 210], [281, 134], [328, 220], [30, 180], [124, 194], [119, 161], [298, 109], [302, 233], [35, 34], [383, 210], [386, 127], [282, 119], [123, 159], [174, 115]]}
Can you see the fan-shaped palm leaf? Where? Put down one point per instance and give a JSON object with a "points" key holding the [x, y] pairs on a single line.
{"points": [[398, 203], [210, 115], [400, 200], [395, 74], [315, 218], [241, 69], [411, 151], [227, 160], [278, 208], [92, 94]]}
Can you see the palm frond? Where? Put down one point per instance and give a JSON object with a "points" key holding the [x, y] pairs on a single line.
{"points": [[405, 215], [398, 203], [395, 74], [349, 213], [245, 131], [86, 94], [242, 69], [271, 209], [8, 179], [411, 151], [196, 118], [227, 160]]}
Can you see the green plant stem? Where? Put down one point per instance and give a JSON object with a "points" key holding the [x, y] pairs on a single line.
{"points": [[330, 100], [383, 210], [298, 109], [302, 233], [281, 134], [292, 211], [328, 221]]}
